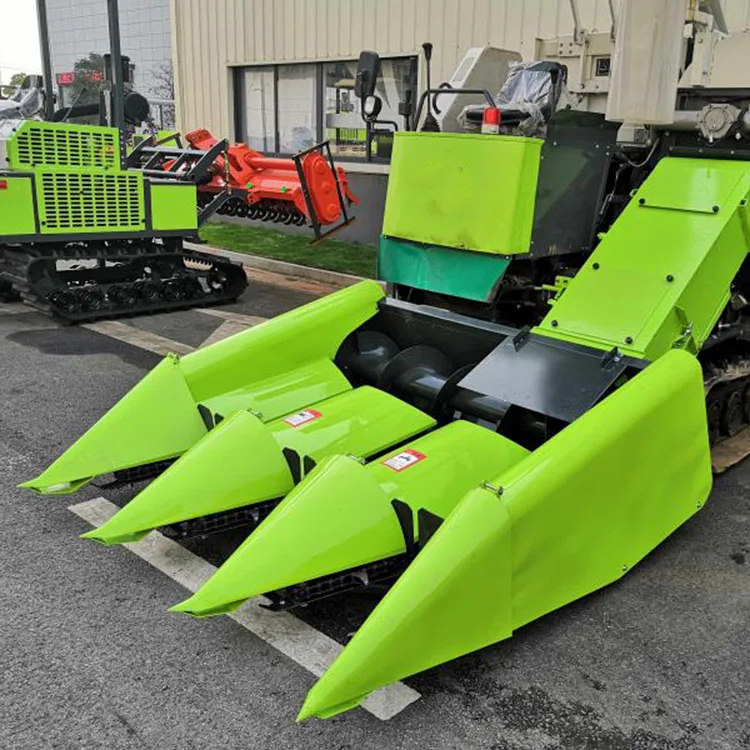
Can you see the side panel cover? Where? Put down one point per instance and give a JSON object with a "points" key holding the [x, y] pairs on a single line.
{"points": [[571, 517], [462, 190], [16, 206], [664, 269]]}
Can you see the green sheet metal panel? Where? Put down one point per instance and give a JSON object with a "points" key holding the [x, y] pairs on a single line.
{"points": [[56, 145], [78, 202], [16, 206], [444, 270], [173, 207], [432, 472], [474, 192], [242, 461], [665, 266], [281, 365], [572, 517]]}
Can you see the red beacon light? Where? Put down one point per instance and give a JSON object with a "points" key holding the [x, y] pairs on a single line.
{"points": [[491, 121]]}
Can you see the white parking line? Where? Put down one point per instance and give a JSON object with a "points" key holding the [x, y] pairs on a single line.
{"points": [[15, 308], [299, 641], [217, 312], [225, 330], [152, 342], [135, 336]]}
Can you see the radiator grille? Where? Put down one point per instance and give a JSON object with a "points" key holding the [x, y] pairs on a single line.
{"points": [[46, 145], [91, 201]]}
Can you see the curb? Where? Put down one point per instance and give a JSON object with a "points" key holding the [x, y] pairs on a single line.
{"points": [[282, 267]]}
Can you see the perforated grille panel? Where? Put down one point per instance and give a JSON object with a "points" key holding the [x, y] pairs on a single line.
{"points": [[50, 145], [88, 202]]}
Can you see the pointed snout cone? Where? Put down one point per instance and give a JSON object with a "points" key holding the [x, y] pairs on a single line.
{"points": [[454, 598], [156, 420], [238, 463], [340, 517], [337, 519], [241, 461]]}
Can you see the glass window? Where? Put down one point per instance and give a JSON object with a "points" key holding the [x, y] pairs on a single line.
{"points": [[257, 110], [290, 118], [297, 121], [344, 125]]}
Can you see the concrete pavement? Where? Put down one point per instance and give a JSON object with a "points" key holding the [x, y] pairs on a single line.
{"points": [[89, 657]]}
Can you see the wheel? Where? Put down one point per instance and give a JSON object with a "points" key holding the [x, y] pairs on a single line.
{"points": [[146, 290], [173, 290], [92, 299], [121, 295], [66, 300], [714, 409], [733, 419], [746, 403]]}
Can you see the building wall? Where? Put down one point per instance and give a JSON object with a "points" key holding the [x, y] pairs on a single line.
{"points": [[210, 36]]}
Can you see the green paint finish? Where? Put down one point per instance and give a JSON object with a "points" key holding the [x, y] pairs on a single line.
{"points": [[282, 393], [90, 203], [57, 146], [661, 276], [157, 420], [573, 517], [16, 207], [459, 273], [473, 192], [352, 503], [241, 462], [360, 423], [279, 366], [173, 207], [210, 477], [296, 339], [81, 189]]}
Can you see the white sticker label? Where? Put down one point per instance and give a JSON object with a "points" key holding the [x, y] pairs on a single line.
{"points": [[302, 417], [404, 460]]}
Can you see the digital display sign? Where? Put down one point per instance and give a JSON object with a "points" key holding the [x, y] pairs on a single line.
{"points": [[67, 78]]}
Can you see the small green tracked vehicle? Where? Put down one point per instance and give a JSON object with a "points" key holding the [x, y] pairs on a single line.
{"points": [[81, 238], [521, 419]]}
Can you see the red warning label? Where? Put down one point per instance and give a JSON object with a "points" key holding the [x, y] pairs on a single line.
{"points": [[302, 417], [404, 460]]}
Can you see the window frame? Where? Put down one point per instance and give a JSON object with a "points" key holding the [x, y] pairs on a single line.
{"points": [[237, 83]]}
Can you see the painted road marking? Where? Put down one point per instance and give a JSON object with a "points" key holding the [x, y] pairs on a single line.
{"points": [[247, 320], [225, 330], [299, 641], [15, 308], [152, 342]]}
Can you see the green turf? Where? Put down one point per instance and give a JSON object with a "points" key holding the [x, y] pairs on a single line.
{"points": [[333, 255]]}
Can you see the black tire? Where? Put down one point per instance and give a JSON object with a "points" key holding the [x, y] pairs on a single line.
{"points": [[733, 419], [714, 414]]}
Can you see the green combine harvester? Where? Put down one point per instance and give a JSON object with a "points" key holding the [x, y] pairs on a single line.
{"points": [[523, 417], [83, 238]]}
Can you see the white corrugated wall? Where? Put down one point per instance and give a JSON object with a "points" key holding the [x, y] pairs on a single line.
{"points": [[210, 36]]}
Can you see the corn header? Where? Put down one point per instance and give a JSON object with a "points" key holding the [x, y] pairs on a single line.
{"points": [[523, 417]]}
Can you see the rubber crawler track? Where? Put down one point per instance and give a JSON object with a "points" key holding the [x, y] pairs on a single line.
{"points": [[128, 278]]}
